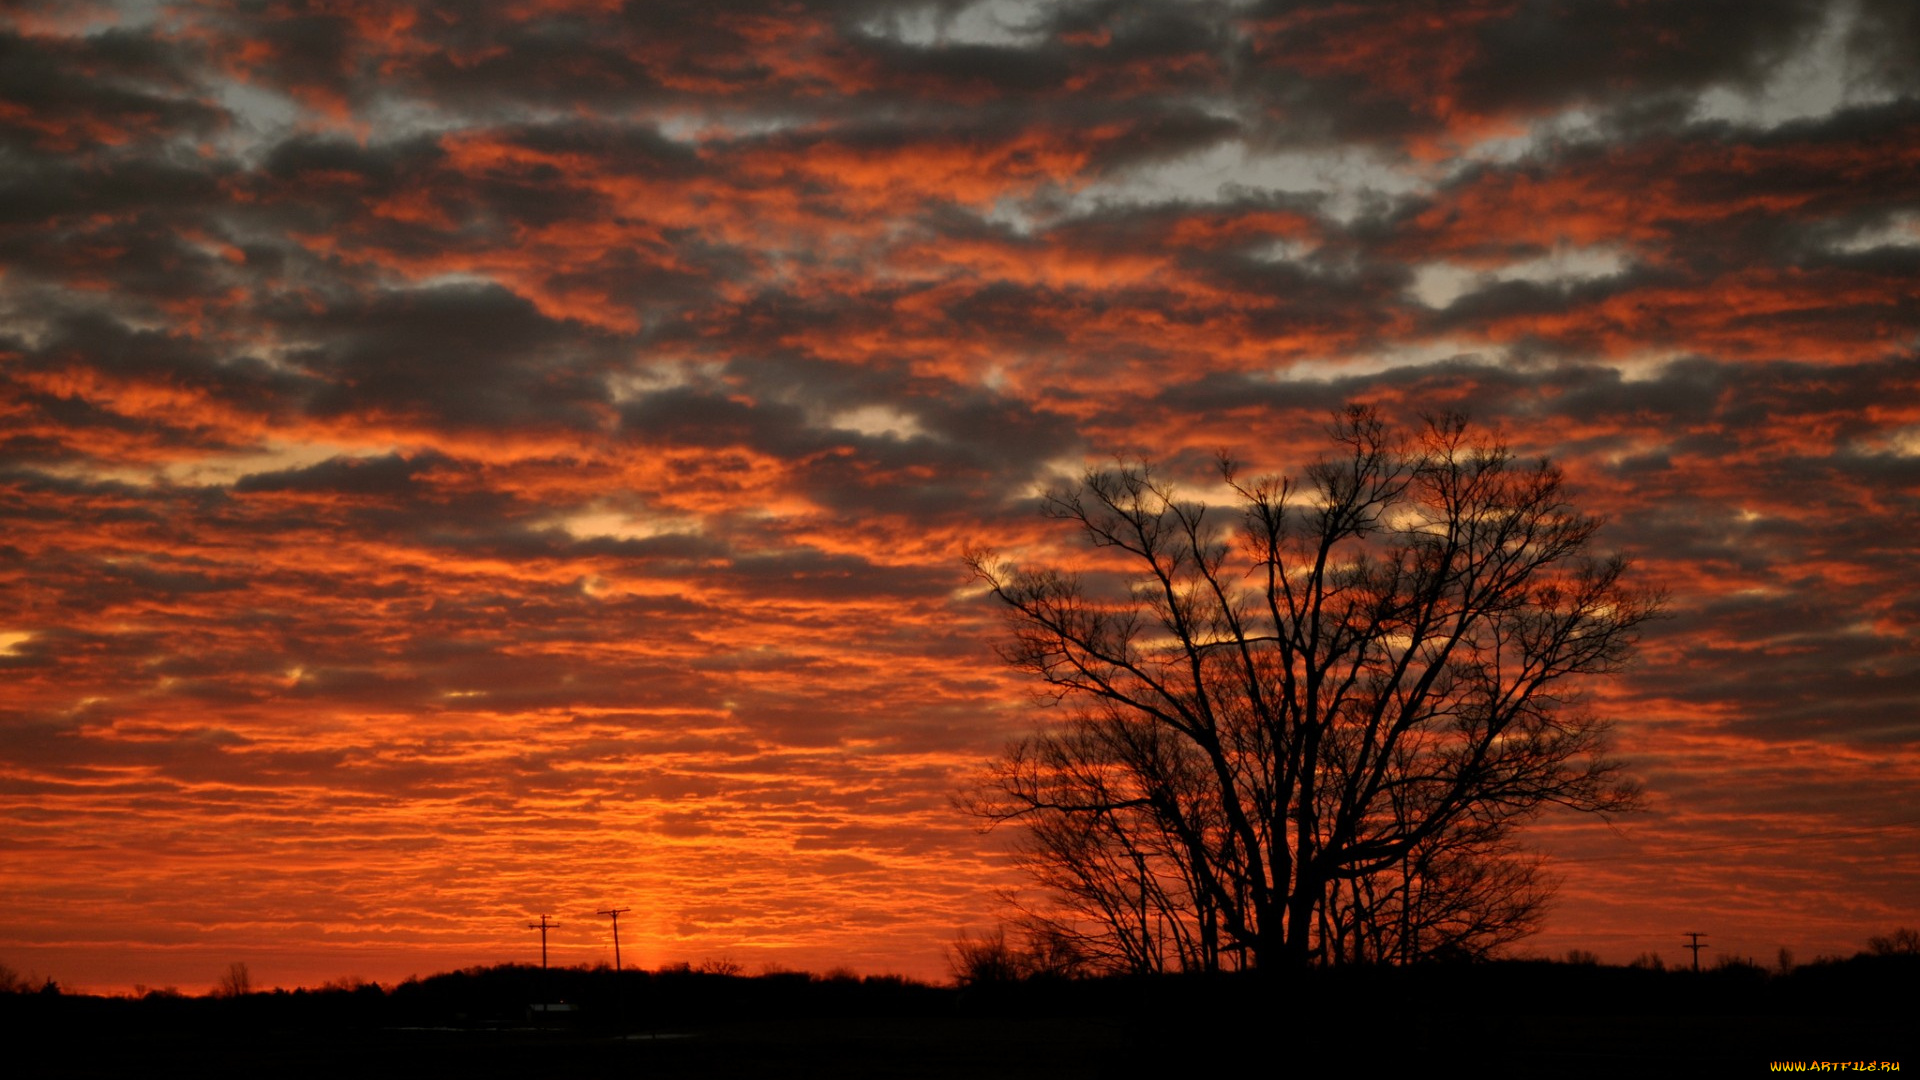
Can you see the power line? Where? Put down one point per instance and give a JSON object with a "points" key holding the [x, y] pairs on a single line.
{"points": [[543, 926], [1695, 946], [615, 914]]}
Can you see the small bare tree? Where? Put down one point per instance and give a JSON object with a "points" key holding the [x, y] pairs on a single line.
{"points": [[1310, 732], [1902, 942], [984, 960], [235, 982], [991, 958]]}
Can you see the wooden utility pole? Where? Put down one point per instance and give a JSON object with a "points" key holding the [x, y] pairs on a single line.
{"points": [[614, 913], [543, 926], [1695, 946]]}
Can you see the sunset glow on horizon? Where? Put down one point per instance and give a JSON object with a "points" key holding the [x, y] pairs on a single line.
{"points": [[466, 461]]}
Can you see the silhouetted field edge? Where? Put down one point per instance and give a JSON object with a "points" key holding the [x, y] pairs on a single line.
{"points": [[1514, 1017], [503, 995]]}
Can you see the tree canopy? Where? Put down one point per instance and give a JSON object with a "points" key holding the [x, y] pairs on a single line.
{"points": [[1308, 730]]}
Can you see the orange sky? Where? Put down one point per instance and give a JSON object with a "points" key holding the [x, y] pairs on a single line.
{"points": [[460, 462]]}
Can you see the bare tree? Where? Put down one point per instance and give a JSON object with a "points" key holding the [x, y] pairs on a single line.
{"points": [[1461, 895], [1902, 942], [988, 959], [235, 982], [1310, 732], [991, 958]]}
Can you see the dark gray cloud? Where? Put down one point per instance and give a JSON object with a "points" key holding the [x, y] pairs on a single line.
{"points": [[462, 355], [102, 94], [1396, 70]]}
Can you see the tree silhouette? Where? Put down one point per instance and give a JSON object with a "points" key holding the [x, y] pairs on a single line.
{"points": [[1902, 942], [235, 982], [1310, 732], [991, 958]]}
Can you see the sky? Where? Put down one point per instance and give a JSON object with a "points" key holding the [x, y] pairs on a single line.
{"points": [[466, 461]]}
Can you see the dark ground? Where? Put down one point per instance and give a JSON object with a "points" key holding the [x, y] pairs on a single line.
{"points": [[1491, 1020], [939, 1048]]}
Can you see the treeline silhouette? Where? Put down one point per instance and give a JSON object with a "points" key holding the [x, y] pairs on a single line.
{"points": [[510, 996], [677, 997], [1513, 1016]]}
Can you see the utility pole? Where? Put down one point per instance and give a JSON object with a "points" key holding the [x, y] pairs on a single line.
{"points": [[614, 913], [543, 926], [1695, 946]]}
